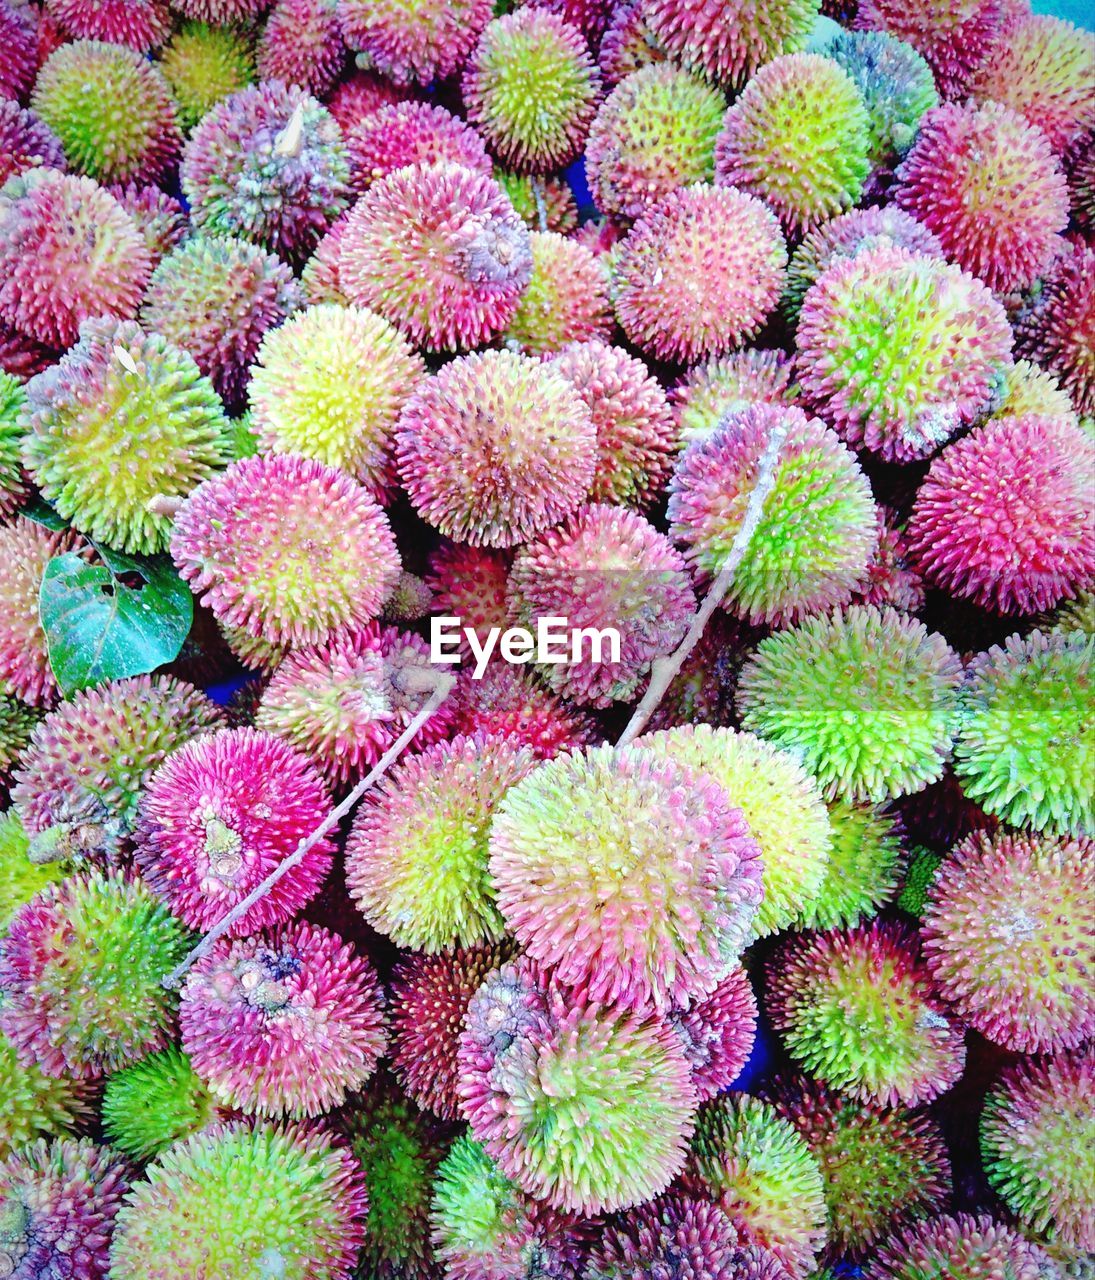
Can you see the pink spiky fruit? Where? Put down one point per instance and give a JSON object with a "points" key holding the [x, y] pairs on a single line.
{"points": [[1057, 327], [566, 299], [160, 218], [718, 1033], [302, 44], [26, 142], [18, 49], [711, 391], [359, 95], [959, 1246], [421, 42], [406, 133], [469, 583], [140, 24], [511, 703]]}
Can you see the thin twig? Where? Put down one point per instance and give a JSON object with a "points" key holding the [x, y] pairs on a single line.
{"points": [[663, 671], [541, 206], [442, 684]]}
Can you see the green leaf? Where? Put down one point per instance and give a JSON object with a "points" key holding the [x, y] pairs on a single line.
{"points": [[38, 510], [124, 617]]}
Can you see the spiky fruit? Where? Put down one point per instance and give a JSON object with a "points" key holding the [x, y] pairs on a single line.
{"points": [[20, 878], [798, 137], [58, 1205], [21, 357], [892, 578], [710, 392], [632, 419], [424, 41], [867, 697], [898, 351], [17, 722], [429, 998], [496, 448], [204, 65], [407, 133], [77, 788], [654, 133], [856, 1007], [605, 567], [922, 869], [124, 417], [752, 1163], [566, 299], [532, 89], [140, 24], [1074, 615], [702, 692], [159, 218], [865, 867], [329, 384], [25, 549], [216, 297], [510, 702], [321, 277], [285, 1023], [961, 1248], [18, 49], [25, 142], [818, 527], [1024, 751], [728, 42], [698, 273], [302, 44], [630, 873], [587, 1107], [1030, 390], [1005, 516], [155, 1102], [464, 256], [80, 975], [303, 1199], [219, 11], [542, 203], [781, 805], [1041, 68], [1009, 942], [1057, 328], [112, 111], [13, 485], [416, 860], [68, 251], [269, 165], [1037, 1135], [360, 94], [844, 237], [881, 1167], [486, 1228], [628, 44], [400, 1150], [34, 1105], [469, 583], [219, 816], [286, 548], [718, 1034]]}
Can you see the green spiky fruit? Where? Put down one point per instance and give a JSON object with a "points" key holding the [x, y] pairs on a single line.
{"points": [[866, 862], [34, 1105], [12, 484], [17, 722], [155, 1102], [20, 879], [919, 877], [203, 65]]}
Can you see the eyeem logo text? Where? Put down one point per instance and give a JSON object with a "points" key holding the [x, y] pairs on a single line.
{"points": [[554, 641]]}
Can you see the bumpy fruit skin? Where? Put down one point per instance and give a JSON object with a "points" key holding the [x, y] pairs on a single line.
{"points": [[780, 802], [654, 133], [702, 692], [112, 111], [496, 448], [628, 44], [586, 1106], [818, 528], [1041, 67], [269, 165], [18, 49], [20, 879], [899, 351], [34, 1105], [235, 1202], [464, 255], [1031, 390], [286, 548], [25, 549], [692, 1236], [698, 273], [532, 89], [285, 1023], [416, 860], [406, 133], [1057, 327], [429, 998], [727, 43], [963, 1247], [58, 1205], [329, 384], [204, 65], [1006, 516], [566, 299], [219, 816], [486, 1228], [218, 11], [78, 785], [80, 975], [421, 42], [512, 703], [1024, 751], [469, 583], [605, 567], [856, 1007], [17, 722], [752, 1162], [867, 697], [25, 142], [892, 578], [68, 251], [633, 875], [718, 1034], [155, 1102], [882, 1167], [217, 297], [104, 438], [797, 137], [159, 218], [711, 391], [140, 24], [866, 864], [1009, 942], [21, 357], [360, 94], [302, 44], [531, 193], [1037, 1132], [989, 187]]}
